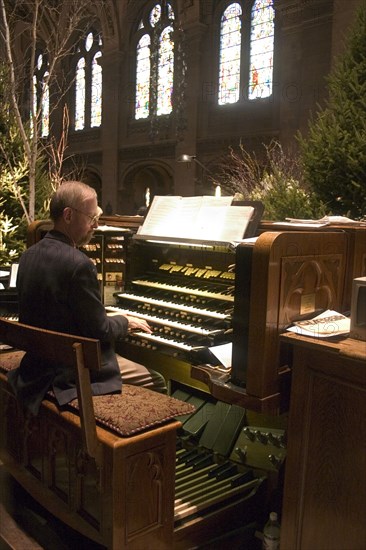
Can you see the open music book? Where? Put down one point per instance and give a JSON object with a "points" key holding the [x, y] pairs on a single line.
{"points": [[187, 219], [327, 324]]}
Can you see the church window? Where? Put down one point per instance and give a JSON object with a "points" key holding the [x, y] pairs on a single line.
{"points": [[261, 49], [230, 46], [96, 98], [80, 95], [246, 74], [88, 83], [41, 95], [143, 65], [165, 72], [155, 63]]}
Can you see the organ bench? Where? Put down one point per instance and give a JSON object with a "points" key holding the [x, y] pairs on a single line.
{"points": [[104, 465]]}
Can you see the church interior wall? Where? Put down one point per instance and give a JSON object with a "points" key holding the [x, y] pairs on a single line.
{"points": [[305, 46]]}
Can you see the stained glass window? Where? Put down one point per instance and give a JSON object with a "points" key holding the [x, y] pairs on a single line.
{"points": [[165, 72], [88, 83], [261, 49], [45, 128], [34, 111], [41, 96], [235, 73], [155, 63], [143, 65], [80, 95], [89, 41], [230, 45], [155, 15], [96, 98]]}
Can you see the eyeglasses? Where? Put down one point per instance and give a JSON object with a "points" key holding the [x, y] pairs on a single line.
{"points": [[93, 219]]}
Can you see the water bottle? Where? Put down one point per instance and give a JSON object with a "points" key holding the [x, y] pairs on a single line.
{"points": [[271, 533]]}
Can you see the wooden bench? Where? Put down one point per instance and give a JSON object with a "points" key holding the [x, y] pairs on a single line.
{"points": [[104, 465]]}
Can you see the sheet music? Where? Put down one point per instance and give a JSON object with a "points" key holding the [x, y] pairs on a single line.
{"points": [[112, 228], [13, 275], [223, 353], [161, 216], [327, 324], [207, 218]]}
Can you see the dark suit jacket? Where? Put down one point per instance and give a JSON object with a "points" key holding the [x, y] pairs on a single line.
{"points": [[58, 290]]}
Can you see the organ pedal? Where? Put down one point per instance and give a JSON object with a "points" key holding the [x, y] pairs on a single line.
{"points": [[214, 488]]}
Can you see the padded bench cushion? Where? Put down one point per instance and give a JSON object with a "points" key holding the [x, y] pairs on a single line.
{"points": [[135, 410], [10, 360]]}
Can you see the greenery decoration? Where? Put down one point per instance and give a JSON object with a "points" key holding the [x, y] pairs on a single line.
{"points": [[334, 151], [276, 180], [14, 175]]}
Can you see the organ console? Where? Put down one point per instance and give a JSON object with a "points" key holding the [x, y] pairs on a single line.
{"points": [[197, 296]]}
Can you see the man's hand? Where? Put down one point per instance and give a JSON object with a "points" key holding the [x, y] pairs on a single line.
{"points": [[134, 323]]}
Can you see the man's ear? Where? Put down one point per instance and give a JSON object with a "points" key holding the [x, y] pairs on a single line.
{"points": [[67, 214]]}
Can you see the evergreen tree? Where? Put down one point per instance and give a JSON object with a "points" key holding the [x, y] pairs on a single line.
{"points": [[334, 152]]}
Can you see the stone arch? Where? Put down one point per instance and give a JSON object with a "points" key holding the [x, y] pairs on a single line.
{"points": [[158, 177], [92, 178]]}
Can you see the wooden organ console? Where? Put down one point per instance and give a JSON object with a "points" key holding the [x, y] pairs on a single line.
{"points": [[196, 296]]}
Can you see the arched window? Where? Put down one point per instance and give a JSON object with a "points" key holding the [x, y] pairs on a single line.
{"points": [[261, 49], [88, 83], [41, 95], [96, 92], [155, 62], [230, 46], [143, 65], [246, 75], [80, 95], [165, 72]]}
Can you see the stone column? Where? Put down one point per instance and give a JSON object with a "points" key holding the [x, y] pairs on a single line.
{"points": [[187, 175], [110, 130]]}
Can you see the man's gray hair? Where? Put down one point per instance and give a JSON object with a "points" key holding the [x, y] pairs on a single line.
{"points": [[70, 193]]}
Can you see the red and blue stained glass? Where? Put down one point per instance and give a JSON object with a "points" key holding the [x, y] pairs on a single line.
{"points": [[80, 95], [230, 45], [96, 92], [261, 50], [165, 72], [143, 67]]}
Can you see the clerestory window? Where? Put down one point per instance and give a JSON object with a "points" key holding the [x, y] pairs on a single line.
{"points": [[88, 82], [246, 73], [155, 62], [41, 96]]}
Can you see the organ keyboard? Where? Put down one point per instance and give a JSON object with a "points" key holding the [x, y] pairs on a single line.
{"points": [[186, 294], [174, 306], [9, 304], [195, 329]]}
